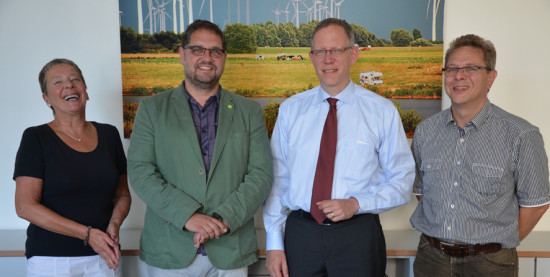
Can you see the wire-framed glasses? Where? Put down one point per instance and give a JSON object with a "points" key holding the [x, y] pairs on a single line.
{"points": [[333, 52], [451, 71], [199, 51]]}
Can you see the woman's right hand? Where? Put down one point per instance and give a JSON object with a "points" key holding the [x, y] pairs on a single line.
{"points": [[28, 194], [106, 247]]}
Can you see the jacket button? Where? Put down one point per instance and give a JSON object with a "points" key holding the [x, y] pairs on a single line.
{"points": [[201, 171]]}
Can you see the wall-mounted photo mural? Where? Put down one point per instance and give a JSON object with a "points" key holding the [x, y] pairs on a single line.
{"points": [[401, 51]]}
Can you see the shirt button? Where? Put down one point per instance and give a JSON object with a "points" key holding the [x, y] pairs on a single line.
{"points": [[429, 166], [455, 184], [449, 228], [201, 171], [452, 206], [459, 163], [461, 140]]}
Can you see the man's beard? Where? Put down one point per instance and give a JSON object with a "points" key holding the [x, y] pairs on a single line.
{"points": [[202, 82]]}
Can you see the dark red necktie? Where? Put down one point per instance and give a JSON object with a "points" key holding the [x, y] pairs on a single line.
{"points": [[322, 184]]}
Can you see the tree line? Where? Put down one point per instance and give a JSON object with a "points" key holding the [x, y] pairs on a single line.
{"points": [[243, 38]]}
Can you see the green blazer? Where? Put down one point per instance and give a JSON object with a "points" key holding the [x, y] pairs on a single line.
{"points": [[166, 170]]}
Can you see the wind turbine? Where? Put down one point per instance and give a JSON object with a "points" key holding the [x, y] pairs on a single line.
{"points": [[321, 9], [277, 13], [435, 8], [150, 16], [211, 11], [328, 8], [154, 19], [228, 11], [174, 21], [182, 19], [315, 12], [337, 6], [161, 10], [190, 11], [297, 12], [308, 11], [140, 17], [287, 12], [162, 18]]}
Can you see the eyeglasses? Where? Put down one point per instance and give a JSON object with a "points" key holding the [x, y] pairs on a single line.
{"points": [[467, 70], [334, 52], [199, 51]]}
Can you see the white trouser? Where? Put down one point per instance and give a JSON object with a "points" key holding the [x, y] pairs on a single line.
{"points": [[89, 266], [200, 267]]}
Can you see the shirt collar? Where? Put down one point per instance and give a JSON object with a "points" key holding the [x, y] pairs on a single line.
{"points": [[478, 120], [192, 100], [482, 116], [345, 96]]}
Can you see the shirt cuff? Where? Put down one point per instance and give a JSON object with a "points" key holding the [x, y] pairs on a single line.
{"points": [[364, 205], [274, 241]]}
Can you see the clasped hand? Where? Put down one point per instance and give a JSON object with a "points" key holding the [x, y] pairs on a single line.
{"points": [[339, 209], [205, 227], [106, 245]]}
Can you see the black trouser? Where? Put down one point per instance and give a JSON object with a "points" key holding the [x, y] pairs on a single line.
{"points": [[355, 247]]}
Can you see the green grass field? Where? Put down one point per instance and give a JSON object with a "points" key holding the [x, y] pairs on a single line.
{"points": [[402, 67]]}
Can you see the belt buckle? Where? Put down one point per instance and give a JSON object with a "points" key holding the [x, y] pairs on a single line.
{"points": [[451, 247], [443, 244]]}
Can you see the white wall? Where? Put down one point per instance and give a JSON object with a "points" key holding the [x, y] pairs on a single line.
{"points": [[35, 31], [519, 31]]}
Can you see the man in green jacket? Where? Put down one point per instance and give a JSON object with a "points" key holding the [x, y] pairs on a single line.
{"points": [[199, 157]]}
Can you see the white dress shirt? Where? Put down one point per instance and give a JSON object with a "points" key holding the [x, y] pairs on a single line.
{"points": [[373, 161]]}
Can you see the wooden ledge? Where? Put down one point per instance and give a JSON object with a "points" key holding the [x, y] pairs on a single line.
{"points": [[399, 243], [263, 253]]}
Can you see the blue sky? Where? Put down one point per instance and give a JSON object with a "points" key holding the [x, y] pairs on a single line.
{"points": [[377, 16]]}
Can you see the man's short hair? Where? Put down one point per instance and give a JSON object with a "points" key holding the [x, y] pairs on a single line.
{"points": [[42, 75], [338, 22], [489, 51], [202, 25]]}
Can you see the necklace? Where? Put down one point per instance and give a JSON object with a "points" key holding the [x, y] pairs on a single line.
{"points": [[77, 139]]}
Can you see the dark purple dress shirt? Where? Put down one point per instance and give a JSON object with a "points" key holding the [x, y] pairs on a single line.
{"points": [[206, 125]]}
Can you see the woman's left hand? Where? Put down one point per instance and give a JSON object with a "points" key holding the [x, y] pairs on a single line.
{"points": [[113, 232], [105, 246]]}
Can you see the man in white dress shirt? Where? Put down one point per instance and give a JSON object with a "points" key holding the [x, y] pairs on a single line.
{"points": [[372, 170]]}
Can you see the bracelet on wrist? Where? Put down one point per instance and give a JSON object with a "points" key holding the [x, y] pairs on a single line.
{"points": [[87, 236]]}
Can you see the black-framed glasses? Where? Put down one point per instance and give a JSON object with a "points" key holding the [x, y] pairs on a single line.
{"points": [[199, 51], [334, 52], [451, 71]]}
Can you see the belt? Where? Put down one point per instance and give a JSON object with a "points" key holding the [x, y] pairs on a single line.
{"points": [[463, 249], [303, 214]]}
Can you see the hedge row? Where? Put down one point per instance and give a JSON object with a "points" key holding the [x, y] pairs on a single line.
{"points": [[410, 118], [142, 91]]}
